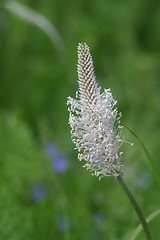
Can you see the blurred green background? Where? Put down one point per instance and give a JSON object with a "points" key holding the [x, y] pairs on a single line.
{"points": [[44, 191]]}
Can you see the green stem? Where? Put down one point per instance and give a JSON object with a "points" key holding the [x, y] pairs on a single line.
{"points": [[136, 207]]}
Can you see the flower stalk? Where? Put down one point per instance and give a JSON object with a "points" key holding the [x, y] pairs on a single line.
{"points": [[136, 207]]}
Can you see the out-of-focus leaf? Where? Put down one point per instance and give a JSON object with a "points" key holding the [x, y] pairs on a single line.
{"points": [[33, 17]]}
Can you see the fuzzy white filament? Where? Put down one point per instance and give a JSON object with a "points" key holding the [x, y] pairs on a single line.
{"points": [[95, 121]]}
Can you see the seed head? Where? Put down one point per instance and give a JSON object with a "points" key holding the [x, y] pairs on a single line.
{"points": [[95, 121]]}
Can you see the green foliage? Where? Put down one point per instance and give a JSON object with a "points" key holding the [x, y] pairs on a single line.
{"points": [[22, 165], [154, 170], [22, 156], [35, 81]]}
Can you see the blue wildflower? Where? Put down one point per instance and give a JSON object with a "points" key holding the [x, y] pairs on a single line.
{"points": [[61, 224], [97, 217], [38, 192], [58, 161], [51, 149]]}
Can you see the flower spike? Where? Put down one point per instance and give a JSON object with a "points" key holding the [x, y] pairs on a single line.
{"points": [[95, 121]]}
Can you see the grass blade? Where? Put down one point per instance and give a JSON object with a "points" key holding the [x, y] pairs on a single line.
{"points": [[154, 170], [148, 219], [33, 17]]}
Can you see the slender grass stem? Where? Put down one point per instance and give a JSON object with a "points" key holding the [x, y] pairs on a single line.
{"points": [[136, 207]]}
